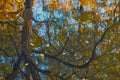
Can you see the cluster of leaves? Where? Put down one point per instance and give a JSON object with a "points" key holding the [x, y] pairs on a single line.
{"points": [[88, 32], [9, 42], [74, 42], [10, 9]]}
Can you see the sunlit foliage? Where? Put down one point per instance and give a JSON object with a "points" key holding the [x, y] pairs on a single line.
{"points": [[69, 39]]}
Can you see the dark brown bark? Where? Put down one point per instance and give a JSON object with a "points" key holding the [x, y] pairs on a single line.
{"points": [[25, 40], [25, 55]]}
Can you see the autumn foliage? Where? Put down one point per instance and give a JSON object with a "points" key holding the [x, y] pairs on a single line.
{"points": [[59, 39]]}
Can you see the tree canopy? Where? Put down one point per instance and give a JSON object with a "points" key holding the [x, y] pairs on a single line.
{"points": [[59, 39]]}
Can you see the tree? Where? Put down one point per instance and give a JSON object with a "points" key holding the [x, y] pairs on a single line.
{"points": [[74, 40]]}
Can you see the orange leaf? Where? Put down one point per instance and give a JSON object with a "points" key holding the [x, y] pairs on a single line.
{"points": [[66, 9], [53, 6]]}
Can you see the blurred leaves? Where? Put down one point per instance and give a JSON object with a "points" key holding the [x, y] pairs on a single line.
{"points": [[72, 40]]}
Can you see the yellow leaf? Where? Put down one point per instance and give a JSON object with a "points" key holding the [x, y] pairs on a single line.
{"points": [[42, 55], [115, 2], [66, 9], [107, 8], [90, 3], [26, 64], [31, 44], [70, 3], [53, 6], [20, 1]]}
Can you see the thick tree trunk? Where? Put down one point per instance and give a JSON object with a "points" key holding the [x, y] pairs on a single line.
{"points": [[25, 40]]}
